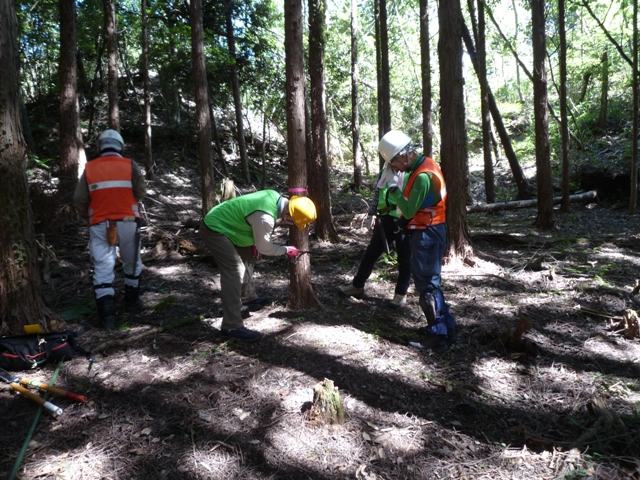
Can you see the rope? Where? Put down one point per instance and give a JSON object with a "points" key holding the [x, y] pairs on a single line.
{"points": [[23, 450]]}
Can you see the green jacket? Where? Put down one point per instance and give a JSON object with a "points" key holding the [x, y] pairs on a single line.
{"points": [[229, 218]]}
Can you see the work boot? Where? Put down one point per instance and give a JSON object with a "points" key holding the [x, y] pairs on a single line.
{"points": [[351, 291], [132, 299], [428, 306], [107, 311], [398, 301]]}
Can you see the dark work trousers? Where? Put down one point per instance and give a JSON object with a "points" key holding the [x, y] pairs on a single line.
{"points": [[376, 248]]}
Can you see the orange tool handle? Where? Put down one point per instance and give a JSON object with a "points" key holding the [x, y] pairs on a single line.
{"points": [[39, 400], [57, 391]]}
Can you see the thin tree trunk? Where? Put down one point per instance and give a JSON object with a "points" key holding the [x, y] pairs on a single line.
{"points": [[207, 178], [216, 142], [489, 180], [376, 21], [148, 147], [68, 99], [384, 84], [355, 114], [319, 187], [524, 189], [301, 295], [604, 92], [425, 67], [633, 201], [563, 108], [112, 53], [453, 151], [21, 300], [545, 218], [237, 101], [515, 34]]}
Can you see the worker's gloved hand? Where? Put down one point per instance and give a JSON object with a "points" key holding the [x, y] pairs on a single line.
{"points": [[370, 223], [292, 252], [393, 183]]}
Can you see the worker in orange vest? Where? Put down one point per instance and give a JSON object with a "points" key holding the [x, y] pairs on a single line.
{"points": [[422, 203], [107, 194]]}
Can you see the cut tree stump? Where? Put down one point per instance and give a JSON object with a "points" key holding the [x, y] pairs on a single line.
{"points": [[327, 404], [492, 207]]}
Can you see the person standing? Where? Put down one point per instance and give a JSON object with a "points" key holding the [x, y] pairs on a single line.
{"points": [[236, 232], [107, 194], [381, 223], [422, 203]]}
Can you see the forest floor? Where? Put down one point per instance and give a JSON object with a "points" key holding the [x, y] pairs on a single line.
{"points": [[536, 387]]}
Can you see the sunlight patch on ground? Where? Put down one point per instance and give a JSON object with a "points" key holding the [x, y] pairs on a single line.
{"points": [[322, 336], [86, 461], [209, 462]]}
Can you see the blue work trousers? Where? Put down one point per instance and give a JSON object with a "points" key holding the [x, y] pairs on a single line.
{"points": [[427, 251]]}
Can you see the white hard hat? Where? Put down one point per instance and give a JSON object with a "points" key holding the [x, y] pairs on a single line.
{"points": [[392, 143], [110, 139]]}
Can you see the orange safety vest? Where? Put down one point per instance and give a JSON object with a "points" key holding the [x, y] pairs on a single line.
{"points": [[110, 185], [429, 214]]}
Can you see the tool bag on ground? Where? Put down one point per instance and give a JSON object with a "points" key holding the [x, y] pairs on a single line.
{"points": [[24, 352]]}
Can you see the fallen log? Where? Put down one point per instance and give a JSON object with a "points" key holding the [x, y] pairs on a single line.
{"points": [[492, 207]]}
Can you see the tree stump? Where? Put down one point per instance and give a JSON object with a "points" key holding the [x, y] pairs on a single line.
{"points": [[327, 404]]}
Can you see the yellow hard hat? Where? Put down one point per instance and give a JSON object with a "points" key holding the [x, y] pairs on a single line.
{"points": [[302, 210]]}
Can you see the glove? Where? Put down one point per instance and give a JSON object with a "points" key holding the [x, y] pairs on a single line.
{"points": [[393, 183], [370, 223], [292, 252]]}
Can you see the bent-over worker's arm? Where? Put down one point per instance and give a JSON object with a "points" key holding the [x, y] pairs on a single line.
{"points": [[419, 191], [262, 224]]}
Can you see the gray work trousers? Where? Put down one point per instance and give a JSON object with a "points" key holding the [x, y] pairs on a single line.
{"points": [[236, 275]]}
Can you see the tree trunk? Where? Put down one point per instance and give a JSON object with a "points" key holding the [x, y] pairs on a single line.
{"points": [[207, 178], [425, 66], [237, 101], [319, 187], [545, 219], [633, 201], [21, 301], [515, 35], [68, 98], [489, 181], [524, 189], [563, 108], [302, 295], [494, 207], [148, 147], [604, 93], [376, 21], [586, 77], [112, 54], [384, 84], [355, 114], [453, 150]]}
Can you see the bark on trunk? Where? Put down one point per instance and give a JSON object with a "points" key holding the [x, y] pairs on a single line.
{"points": [[319, 186], [355, 114], [563, 108], [425, 65], [302, 295], [21, 301], [112, 54], [489, 181], [68, 99], [237, 101], [148, 147], [453, 151], [545, 218], [207, 179]]}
